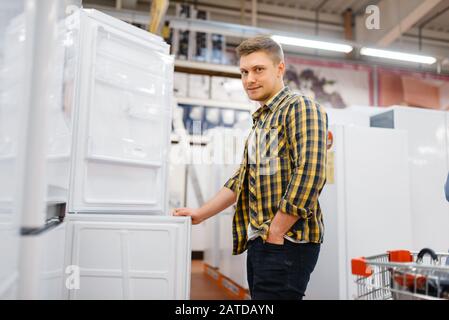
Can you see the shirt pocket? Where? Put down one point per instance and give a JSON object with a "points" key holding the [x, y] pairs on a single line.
{"points": [[269, 166], [271, 142]]}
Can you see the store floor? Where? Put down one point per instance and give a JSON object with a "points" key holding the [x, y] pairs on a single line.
{"points": [[203, 287]]}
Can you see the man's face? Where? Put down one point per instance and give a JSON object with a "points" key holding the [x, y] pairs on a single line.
{"points": [[261, 76]]}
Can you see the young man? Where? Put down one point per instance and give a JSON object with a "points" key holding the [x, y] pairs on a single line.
{"points": [[278, 217]]}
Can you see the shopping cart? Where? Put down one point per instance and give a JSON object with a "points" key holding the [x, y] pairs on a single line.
{"points": [[402, 275]]}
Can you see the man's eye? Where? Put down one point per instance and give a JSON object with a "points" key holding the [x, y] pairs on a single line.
{"points": [[244, 73], [259, 69]]}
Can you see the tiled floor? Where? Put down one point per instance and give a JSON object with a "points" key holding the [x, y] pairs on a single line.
{"points": [[203, 287]]}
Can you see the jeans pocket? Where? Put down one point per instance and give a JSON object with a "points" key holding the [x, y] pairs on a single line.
{"points": [[273, 246]]}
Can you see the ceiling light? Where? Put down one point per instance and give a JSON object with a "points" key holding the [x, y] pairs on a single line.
{"points": [[397, 55], [323, 45]]}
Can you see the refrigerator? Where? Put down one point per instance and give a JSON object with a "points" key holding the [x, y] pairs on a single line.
{"points": [[47, 130], [12, 115], [122, 242], [220, 169], [353, 115], [226, 147], [365, 205], [428, 158], [35, 136]]}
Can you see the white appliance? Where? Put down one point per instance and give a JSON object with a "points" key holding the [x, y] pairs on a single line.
{"points": [[121, 238], [353, 115], [35, 150], [47, 151], [197, 184], [12, 126], [226, 149], [365, 205], [231, 266], [130, 256], [428, 145]]}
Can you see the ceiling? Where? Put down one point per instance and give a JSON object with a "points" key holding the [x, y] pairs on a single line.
{"points": [[437, 19]]}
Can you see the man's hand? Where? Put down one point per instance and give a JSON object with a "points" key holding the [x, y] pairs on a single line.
{"points": [[275, 238], [280, 225], [189, 212]]}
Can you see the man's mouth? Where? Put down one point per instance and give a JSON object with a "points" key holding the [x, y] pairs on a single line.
{"points": [[252, 89]]}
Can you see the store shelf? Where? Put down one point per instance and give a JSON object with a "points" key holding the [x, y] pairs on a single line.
{"points": [[211, 69], [215, 103]]}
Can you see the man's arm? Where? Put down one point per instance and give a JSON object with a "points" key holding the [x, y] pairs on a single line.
{"points": [[222, 200], [306, 126]]}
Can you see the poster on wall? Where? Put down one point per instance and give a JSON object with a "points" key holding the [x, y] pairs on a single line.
{"points": [[417, 89], [328, 82]]}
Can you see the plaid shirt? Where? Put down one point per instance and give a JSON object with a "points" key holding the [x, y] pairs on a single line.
{"points": [[283, 168]]}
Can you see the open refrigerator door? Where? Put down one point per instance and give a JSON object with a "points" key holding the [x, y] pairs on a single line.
{"points": [[122, 243], [12, 125]]}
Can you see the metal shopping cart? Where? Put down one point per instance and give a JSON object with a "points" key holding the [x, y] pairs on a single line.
{"points": [[402, 275]]}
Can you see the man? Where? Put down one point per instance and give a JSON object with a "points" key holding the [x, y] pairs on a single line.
{"points": [[276, 188]]}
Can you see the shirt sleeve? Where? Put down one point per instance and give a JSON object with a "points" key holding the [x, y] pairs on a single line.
{"points": [[232, 182], [306, 130]]}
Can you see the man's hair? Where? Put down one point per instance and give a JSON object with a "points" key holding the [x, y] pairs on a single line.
{"points": [[261, 43]]}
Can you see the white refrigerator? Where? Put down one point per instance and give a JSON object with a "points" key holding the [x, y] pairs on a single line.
{"points": [[35, 137], [12, 115], [226, 146], [428, 157], [47, 150], [122, 242], [365, 205]]}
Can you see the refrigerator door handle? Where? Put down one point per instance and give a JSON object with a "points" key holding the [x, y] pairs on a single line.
{"points": [[51, 224]]}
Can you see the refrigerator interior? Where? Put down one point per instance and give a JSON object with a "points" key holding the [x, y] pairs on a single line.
{"points": [[123, 108]]}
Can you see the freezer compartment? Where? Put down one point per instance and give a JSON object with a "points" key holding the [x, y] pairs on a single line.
{"points": [[129, 257]]}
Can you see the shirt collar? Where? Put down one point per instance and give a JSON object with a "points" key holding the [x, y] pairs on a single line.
{"points": [[272, 103]]}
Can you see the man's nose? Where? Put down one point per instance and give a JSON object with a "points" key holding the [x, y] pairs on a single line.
{"points": [[250, 78]]}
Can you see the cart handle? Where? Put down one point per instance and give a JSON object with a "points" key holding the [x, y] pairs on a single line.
{"points": [[425, 251]]}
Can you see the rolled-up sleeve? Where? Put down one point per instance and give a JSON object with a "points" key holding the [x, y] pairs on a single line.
{"points": [[306, 130], [233, 181]]}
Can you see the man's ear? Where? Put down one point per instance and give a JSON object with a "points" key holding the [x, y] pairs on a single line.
{"points": [[281, 69]]}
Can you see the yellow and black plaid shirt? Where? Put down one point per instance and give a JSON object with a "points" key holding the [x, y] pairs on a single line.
{"points": [[283, 168]]}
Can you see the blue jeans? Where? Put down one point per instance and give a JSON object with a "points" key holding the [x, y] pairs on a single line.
{"points": [[280, 271]]}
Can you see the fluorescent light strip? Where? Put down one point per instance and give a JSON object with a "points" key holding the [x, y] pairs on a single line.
{"points": [[397, 55], [323, 45]]}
